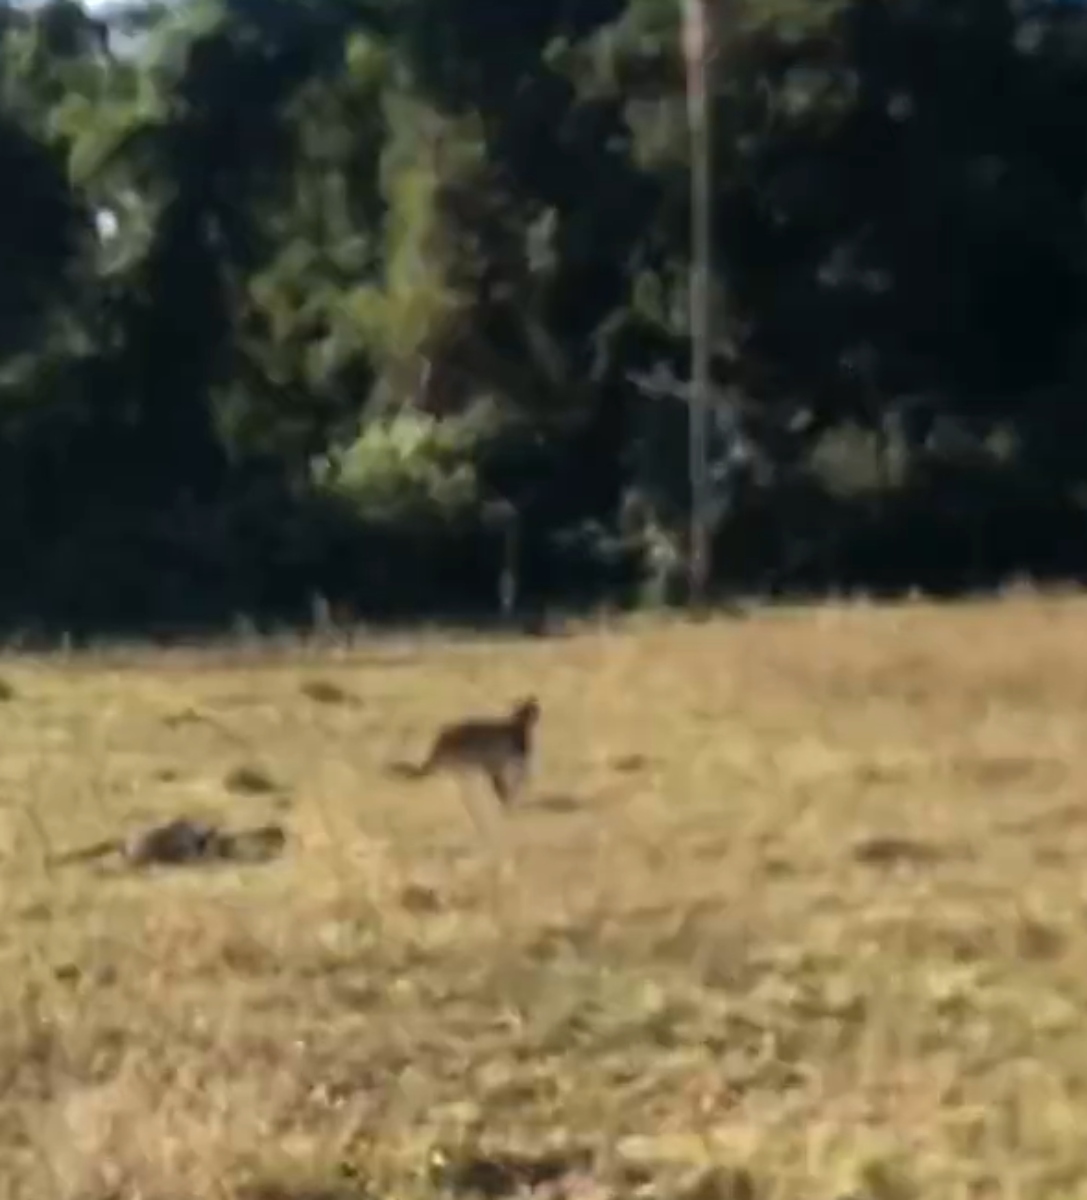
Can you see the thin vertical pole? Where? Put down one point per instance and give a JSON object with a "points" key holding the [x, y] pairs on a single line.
{"points": [[696, 48]]}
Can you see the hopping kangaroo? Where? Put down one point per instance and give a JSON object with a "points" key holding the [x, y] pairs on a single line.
{"points": [[499, 747]]}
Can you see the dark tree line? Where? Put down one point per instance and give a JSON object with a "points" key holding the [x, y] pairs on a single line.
{"points": [[368, 298]]}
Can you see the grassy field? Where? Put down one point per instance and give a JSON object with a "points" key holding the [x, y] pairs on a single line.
{"points": [[797, 909]]}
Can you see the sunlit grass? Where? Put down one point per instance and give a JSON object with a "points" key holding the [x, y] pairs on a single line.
{"points": [[797, 909]]}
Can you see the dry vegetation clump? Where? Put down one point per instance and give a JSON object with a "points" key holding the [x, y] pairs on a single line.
{"points": [[797, 910]]}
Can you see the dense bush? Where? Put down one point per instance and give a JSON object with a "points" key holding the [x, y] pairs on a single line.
{"points": [[390, 307]]}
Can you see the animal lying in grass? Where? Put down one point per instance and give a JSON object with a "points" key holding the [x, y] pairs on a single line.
{"points": [[181, 841]]}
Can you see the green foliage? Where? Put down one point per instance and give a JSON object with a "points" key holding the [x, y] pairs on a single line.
{"points": [[408, 470], [244, 231]]}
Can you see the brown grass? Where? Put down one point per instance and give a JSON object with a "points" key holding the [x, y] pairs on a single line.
{"points": [[797, 910]]}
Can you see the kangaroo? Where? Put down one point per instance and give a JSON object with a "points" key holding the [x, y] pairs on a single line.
{"points": [[178, 841], [499, 747]]}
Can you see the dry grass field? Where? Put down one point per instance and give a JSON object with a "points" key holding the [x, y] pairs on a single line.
{"points": [[797, 909]]}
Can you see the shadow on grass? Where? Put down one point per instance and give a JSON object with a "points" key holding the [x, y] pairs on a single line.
{"points": [[889, 850], [556, 803]]}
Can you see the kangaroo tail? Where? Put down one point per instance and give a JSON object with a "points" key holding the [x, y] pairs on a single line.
{"points": [[408, 770], [98, 850]]}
